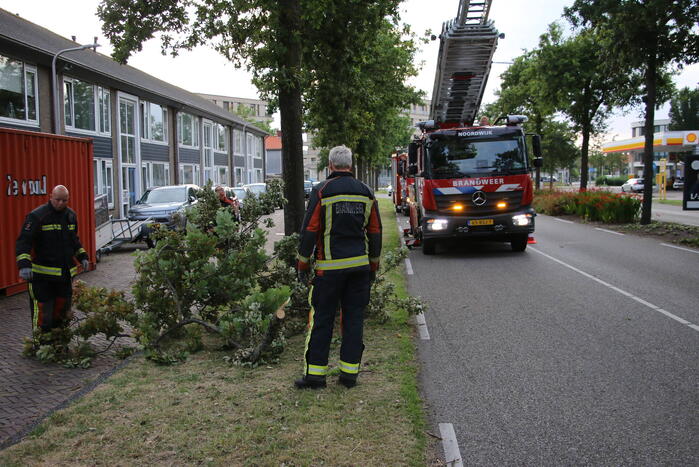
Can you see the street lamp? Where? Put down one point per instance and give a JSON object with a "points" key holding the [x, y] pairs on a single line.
{"points": [[54, 80]]}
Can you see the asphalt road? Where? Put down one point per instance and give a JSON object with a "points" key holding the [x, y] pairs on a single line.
{"points": [[583, 350]]}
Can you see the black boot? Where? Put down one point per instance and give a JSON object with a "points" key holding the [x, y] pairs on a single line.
{"points": [[347, 381], [310, 382]]}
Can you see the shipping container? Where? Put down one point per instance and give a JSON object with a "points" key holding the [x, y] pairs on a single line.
{"points": [[31, 164]]}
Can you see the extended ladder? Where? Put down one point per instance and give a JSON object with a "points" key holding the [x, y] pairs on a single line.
{"points": [[466, 48]]}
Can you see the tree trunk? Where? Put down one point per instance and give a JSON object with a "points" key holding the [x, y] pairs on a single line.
{"points": [[647, 204], [584, 156], [290, 111]]}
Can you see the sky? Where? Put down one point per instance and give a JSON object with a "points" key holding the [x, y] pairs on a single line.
{"points": [[203, 70]]}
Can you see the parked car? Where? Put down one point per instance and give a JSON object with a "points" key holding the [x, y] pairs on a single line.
{"points": [[389, 190], [258, 189], [547, 179], [240, 193], [678, 184], [307, 187], [164, 205], [632, 185]]}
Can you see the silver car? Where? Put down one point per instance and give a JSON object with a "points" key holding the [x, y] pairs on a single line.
{"points": [[633, 185]]}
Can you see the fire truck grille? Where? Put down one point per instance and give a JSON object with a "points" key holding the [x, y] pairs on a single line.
{"points": [[513, 199]]}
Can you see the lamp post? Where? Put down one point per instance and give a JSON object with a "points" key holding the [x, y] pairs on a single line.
{"points": [[54, 80]]}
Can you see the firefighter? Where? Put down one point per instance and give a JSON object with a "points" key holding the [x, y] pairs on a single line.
{"points": [[51, 232], [343, 226]]}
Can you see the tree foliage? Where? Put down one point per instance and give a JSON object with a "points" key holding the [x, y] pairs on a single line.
{"points": [[645, 38], [684, 110]]}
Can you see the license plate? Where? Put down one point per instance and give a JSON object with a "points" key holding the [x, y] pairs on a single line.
{"points": [[481, 222]]}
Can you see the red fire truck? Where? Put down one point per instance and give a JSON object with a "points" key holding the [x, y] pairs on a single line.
{"points": [[471, 182]]}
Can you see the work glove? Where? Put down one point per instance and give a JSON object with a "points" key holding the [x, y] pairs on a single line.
{"points": [[303, 275], [26, 274], [85, 264]]}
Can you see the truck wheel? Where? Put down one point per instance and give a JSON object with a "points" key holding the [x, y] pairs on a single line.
{"points": [[519, 243], [429, 247]]}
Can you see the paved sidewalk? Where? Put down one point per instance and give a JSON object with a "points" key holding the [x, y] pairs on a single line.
{"points": [[30, 390]]}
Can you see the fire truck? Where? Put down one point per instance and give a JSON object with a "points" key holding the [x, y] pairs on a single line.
{"points": [[401, 181], [471, 182]]}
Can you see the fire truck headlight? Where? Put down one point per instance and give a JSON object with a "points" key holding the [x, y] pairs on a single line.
{"points": [[437, 224], [522, 220]]}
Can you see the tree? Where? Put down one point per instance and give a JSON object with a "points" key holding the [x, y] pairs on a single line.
{"points": [[280, 42], [558, 147], [644, 37], [246, 113], [581, 83], [684, 110], [363, 109]]}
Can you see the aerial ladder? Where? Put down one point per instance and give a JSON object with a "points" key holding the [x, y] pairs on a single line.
{"points": [[466, 49]]}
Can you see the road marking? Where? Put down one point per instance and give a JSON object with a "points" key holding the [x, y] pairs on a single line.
{"points": [[422, 327], [409, 266], [563, 220], [609, 231], [623, 292], [452, 455], [680, 248]]}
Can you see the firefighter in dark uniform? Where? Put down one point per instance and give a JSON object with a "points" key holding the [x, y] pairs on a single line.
{"points": [[343, 226], [51, 232]]}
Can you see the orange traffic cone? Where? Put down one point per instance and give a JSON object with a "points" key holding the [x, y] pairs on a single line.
{"points": [[531, 240]]}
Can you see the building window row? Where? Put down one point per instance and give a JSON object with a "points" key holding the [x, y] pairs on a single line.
{"points": [[18, 97]]}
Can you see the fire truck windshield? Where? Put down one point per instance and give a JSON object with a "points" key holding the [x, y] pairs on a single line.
{"points": [[459, 157]]}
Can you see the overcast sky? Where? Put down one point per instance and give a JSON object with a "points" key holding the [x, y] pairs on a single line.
{"points": [[203, 70]]}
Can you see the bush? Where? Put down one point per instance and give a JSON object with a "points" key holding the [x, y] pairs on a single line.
{"points": [[591, 205]]}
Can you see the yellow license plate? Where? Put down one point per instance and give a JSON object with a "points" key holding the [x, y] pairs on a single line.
{"points": [[481, 222]]}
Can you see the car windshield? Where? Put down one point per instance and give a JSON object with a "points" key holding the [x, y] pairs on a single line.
{"points": [[240, 193], [257, 189], [165, 195], [456, 157], [308, 185]]}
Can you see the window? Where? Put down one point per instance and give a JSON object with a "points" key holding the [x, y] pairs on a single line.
{"points": [[189, 173], [86, 107], [105, 109], [153, 122], [103, 179], [237, 142], [222, 175], [249, 150], [258, 176], [220, 138], [18, 100], [258, 147], [238, 176], [154, 174], [188, 130]]}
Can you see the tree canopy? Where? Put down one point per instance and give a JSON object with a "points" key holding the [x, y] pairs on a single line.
{"points": [[684, 110], [645, 38]]}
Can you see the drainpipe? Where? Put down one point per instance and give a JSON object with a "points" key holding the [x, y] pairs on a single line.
{"points": [[54, 79]]}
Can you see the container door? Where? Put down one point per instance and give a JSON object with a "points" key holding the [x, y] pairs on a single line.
{"points": [[128, 152]]}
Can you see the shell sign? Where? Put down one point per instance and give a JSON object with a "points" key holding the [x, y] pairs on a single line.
{"points": [[691, 137]]}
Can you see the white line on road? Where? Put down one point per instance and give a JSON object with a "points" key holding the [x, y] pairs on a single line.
{"points": [[563, 220], [408, 266], [422, 327], [680, 248], [609, 231], [451, 447], [623, 292]]}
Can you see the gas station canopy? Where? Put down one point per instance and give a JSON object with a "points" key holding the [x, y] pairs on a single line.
{"points": [[666, 141]]}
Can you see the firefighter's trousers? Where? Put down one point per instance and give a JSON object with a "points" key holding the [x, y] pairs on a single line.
{"points": [[351, 292], [50, 302]]}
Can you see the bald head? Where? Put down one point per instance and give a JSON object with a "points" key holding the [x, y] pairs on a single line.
{"points": [[59, 197]]}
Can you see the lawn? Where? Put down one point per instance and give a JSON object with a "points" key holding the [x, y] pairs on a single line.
{"points": [[205, 411]]}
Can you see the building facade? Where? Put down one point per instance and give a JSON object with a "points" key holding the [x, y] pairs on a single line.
{"points": [[146, 132], [257, 109]]}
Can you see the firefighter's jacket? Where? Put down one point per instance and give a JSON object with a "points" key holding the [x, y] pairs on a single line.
{"points": [[53, 237], [343, 226]]}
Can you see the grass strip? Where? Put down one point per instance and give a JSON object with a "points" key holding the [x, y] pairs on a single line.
{"points": [[204, 411], [671, 202]]}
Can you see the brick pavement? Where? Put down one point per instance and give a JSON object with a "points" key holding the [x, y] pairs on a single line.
{"points": [[30, 390]]}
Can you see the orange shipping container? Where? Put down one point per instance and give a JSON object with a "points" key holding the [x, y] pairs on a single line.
{"points": [[31, 164]]}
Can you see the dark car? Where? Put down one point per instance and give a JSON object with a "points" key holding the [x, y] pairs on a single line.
{"points": [[162, 205], [307, 187]]}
